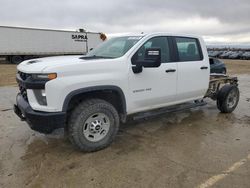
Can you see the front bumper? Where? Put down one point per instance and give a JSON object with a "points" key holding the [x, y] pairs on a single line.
{"points": [[44, 122]]}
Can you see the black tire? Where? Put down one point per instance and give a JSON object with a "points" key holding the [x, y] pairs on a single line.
{"points": [[16, 59], [77, 124], [228, 98], [27, 57], [224, 71]]}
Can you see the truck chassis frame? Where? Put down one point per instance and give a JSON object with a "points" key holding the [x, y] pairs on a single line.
{"points": [[216, 82]]}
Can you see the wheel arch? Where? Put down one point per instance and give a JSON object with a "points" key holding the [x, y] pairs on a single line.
{"points": [[98, 92]]}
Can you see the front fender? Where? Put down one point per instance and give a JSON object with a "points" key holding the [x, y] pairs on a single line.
{"points": [[95, 88]]}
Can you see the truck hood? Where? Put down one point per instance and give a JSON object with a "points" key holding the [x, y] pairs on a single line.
{"points": [[40, 64], [68, 65]]}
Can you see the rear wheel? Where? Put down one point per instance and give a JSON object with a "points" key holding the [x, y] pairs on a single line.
{"points": [[16, 59], [224, 71], [228, 98], [27, 57], [93, 125]]}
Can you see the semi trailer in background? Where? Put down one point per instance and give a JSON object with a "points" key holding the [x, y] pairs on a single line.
{"points": [[18, 44]]}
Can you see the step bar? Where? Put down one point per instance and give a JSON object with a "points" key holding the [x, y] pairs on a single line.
{"points": [[175, 108]]}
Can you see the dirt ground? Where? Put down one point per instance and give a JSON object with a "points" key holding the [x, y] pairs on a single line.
{"points": [[195, 148], [7, 74], [237, 66]]}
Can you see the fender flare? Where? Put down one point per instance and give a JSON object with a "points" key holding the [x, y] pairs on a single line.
{"points": [[95, 88]]}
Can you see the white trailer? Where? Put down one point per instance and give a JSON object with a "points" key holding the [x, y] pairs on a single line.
{"points": [[18, 44]]}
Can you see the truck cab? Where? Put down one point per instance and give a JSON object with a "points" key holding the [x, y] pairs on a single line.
{"points": [[182, 63], [90, 95]]}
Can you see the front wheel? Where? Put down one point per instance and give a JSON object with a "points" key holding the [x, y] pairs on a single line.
{"points": [[228, 98], [93, 125]]}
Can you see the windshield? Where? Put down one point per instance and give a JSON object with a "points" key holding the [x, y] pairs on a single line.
{"points": [[114, 47]]}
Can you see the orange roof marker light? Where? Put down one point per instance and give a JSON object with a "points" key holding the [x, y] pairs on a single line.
{"points": [[103, 36]]}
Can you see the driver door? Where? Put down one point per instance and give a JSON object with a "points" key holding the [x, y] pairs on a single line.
{"points": [[155, 86]]}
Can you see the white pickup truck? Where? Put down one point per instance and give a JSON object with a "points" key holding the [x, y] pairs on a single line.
{"points": [[137, 75]]}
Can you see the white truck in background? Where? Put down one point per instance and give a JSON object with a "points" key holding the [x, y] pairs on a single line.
{"points": [[18, 44]]}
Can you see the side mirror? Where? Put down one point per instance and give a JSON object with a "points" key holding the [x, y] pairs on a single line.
{"points": [[152, 58]]}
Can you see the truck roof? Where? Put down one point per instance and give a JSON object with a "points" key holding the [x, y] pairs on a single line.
{"points": [[171, 34], [158, 34]]}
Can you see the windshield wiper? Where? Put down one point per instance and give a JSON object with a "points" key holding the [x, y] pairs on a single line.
{"points": [[96, 57]]}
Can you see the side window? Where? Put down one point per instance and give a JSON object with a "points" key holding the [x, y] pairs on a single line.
{"points": [[188, 49], [156, 42]]}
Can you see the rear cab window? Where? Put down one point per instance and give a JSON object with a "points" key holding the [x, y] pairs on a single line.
{"points": [[188, 49]]}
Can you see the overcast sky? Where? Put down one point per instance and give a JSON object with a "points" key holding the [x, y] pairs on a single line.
{"points": [[222, 21]]}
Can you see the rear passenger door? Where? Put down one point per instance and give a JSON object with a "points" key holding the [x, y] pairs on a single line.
{"points": [[193, 69]]}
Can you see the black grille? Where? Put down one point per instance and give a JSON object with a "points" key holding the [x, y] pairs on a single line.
{"points": [[22, 89], [23, 92], [23, 75]]}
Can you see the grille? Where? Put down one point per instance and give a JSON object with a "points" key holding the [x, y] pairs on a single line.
{"points": [[22, 89], [23, 75], [23, 92]]}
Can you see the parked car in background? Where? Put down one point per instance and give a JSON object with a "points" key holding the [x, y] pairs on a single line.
{"points": [[210, 52], [225, 54], [245, 55], [215, 53], [229, 54], [217, 66], [235, 55]]}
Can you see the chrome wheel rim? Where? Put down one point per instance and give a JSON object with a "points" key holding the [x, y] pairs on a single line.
{"points": [[232, 99], [96, 127]]}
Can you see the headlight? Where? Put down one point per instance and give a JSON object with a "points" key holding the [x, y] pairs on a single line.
{"points": [[48, 77]]}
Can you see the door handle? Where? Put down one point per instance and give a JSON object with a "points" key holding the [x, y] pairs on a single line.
{"points": [[204, 67], [170, 70]]}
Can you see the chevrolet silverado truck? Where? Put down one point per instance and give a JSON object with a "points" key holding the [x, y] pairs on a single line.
{"points": [[128, 76]]}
